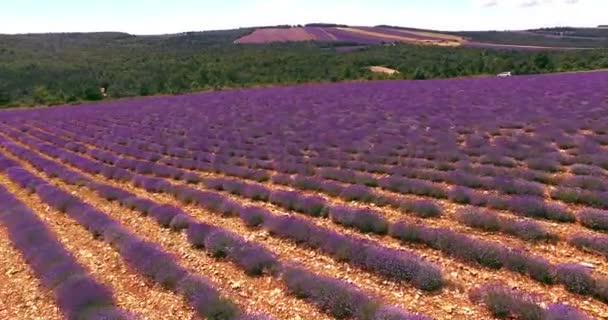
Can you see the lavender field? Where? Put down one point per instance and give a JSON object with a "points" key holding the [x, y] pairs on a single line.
{"points": [[443, 199]]}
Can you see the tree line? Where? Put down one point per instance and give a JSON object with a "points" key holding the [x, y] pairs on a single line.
{"points": [[68, 68]]}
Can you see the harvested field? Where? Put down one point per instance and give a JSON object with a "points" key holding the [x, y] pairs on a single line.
{"points": [[361, 35], [472, 198], [267, 35]]}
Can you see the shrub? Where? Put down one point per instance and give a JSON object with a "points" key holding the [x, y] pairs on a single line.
{"points": [[412, 186], [535, 207], [253, 216], [540, 269], [214, 184], [594, 219], [219, 242], [205, 299], [455, 244], [527, 230], [141, 205], [601, 289], [234, 186], [598, 244], [397, 265], [544, 164], [505, 303], [77, 294], [197, 232], [357, 193], [306, 183], [336, 298], [285, 199], [180, 221], [337, 174], [331, 188], [488, 221], [163, 214], [579, 196], [585, 170], [468, 180], [422, 208], [510, 185], [184, 194], [282, 179], [587, 183], [256, 192], [254, 259], [558, 311], [479, 219], [310, 205], [55, 197], [191, 178], [460, 195], [111, 193], [361, 219], [229, 208], [576, 278]]}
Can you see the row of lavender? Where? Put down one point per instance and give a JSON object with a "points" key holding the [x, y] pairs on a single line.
{"points": [[333, 296], [324, 291], [524, 229], [460, 175], [395, 183], [82, 297], [458, 245], [78, 295], [370, 155]]}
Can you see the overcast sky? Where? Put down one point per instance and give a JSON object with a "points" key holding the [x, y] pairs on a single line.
{"points": [[162, 16]]}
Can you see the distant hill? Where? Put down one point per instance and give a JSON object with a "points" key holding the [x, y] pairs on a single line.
{"points": [[549, 38], [323, 32]]}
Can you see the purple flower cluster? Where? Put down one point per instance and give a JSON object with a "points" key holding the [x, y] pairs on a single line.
{"points": [[489, 221], [413, 186], [340, 299], [489, 254], [421, 208], [251, 257], [579, 196], [536, 208], [394, 264], [363, 220], [590, 242], [506, 303], [594, 219]]}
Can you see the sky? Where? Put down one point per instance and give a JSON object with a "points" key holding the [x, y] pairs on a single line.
{"points": [[173, 16]]}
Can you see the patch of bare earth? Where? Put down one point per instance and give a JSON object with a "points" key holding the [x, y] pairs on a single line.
{"points": [[267, 35], [21, 296], [385, 70]]}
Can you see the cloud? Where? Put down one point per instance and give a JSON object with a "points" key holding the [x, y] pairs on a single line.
{"points": [[531, 3], [522, 3], [490, 3]]}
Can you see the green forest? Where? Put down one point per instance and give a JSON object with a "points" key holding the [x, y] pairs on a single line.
{"points": [[50, 69]]}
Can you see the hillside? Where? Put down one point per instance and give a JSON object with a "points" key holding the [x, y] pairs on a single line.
{"points": [[48, 69], [551, 38], [359, 35]]}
